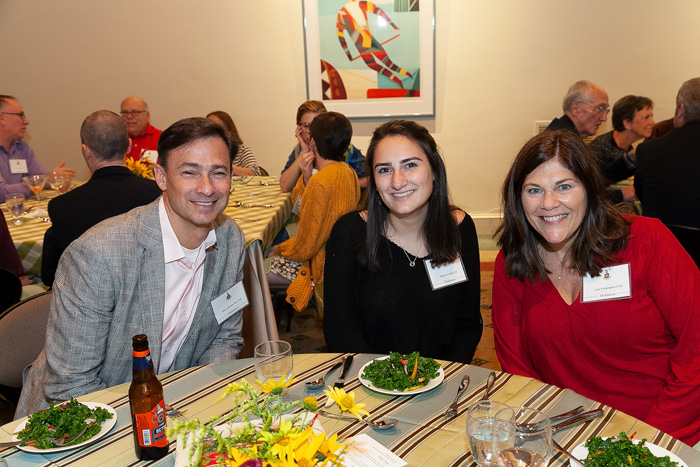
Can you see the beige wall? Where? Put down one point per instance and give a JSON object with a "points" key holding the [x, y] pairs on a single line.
{"points": [[500, 65]]}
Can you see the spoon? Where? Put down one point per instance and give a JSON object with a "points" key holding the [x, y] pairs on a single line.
{"points": [[525, 427], [383, 424], [489, 385], [564, 451], [318, 383]]}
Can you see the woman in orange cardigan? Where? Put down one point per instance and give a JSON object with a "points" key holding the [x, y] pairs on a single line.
{"points": [[327, 189]]}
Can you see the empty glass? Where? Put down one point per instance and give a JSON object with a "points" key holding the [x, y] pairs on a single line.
{"points": [[36, 183], [59, 181], [533, 447], [490, 430], [15, 204], [273, 360]]}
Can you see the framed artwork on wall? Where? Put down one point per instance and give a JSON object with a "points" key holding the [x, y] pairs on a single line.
{"points": [[371, 59]]}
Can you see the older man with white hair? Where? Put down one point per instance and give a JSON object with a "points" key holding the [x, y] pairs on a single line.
{"points": [[144, 136], [585, 106]]}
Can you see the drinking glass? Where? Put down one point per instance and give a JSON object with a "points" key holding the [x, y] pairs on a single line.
{"points": [[490, 430], [273, 360], [36, 183], [15, 204], [57, 180], [533, 447]]}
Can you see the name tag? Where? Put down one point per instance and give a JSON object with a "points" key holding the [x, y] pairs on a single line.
{"points": [[297, 205], [613, 283], [18, 166], [229, 303], [446, 275]]}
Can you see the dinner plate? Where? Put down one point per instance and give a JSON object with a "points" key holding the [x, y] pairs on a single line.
{"points": [[106, 426], [580, 452], [435, 382]]}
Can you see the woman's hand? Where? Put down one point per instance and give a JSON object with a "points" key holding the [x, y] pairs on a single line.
{"points": [[306, 164], [300, 133]]}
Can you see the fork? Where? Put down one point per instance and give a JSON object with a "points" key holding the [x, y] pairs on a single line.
{"points": [[59, 442], [454, 406]]}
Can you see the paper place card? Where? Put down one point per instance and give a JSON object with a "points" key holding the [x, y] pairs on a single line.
{"points": [[363, 451]]}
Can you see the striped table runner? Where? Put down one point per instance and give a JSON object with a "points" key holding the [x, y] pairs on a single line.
{"points": [[257, 223], [423, 437]]}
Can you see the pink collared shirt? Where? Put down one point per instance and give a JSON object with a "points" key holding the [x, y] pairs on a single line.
{"points": [[183, 287]]}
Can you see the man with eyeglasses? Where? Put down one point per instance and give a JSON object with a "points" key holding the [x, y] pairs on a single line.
{"points": [[17, 159], [585, 106], [144, 137]]}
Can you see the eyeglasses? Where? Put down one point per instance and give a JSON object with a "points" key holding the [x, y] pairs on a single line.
{"points": [[603, 108], [304, 125], [19, 114], [133, 113]]}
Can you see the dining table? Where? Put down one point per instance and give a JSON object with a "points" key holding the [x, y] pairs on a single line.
{"points": [[424, 436], [256, 204]]}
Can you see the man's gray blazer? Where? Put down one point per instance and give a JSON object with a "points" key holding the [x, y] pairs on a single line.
{"points": [[110, 287]]}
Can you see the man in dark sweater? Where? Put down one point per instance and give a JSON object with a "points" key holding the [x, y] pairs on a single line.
{"points": [[585, 108], [112, 190]]}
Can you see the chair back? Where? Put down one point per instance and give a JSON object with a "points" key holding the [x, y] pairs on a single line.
{"points": [[22, 337], [689, 237]]}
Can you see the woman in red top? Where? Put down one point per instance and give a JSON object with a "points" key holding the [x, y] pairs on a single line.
{"points": [[588, 299]]}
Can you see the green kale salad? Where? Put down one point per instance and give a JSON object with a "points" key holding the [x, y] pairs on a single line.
{"points": [[401, 372], [61, 421], [621, 451]]}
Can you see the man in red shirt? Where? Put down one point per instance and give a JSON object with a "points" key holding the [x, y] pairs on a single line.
{"points": [[144, 137]]}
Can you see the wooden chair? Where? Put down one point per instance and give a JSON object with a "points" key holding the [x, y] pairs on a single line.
{"points": [[689, 237]]}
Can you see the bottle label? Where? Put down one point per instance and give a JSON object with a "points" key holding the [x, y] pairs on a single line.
{"points": [[151, 427], [142, 360]]}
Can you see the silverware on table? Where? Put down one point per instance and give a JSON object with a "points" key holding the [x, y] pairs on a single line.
{"points": [[382, 424], [171, 411], [238, 204], [454, 406], [243, 219], [340, 382], [571, 456], [528, 427], [319, 382], [59, 442], [489, 385]]}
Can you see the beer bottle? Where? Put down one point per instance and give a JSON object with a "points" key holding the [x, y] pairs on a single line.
{"points": [[147, 405]]}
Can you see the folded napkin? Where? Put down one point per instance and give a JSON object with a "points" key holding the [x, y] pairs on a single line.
{"points": [[36, 213]]}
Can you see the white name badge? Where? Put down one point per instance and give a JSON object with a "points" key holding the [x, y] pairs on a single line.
{"points": [[614, 282], [297, 205], [18, 166], [449, 274], [229, 303]]}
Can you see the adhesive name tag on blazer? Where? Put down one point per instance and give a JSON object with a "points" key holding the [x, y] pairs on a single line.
{"points": [[612, 283], [229, 303], [446, 275], [18, 166]]}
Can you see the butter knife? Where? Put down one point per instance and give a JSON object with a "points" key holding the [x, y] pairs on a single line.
{"points": [[340, 382]]}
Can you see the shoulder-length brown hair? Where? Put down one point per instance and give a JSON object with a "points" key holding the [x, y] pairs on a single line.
{"points": [[603, 230]]}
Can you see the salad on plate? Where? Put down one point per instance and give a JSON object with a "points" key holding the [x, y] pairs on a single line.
{"points": [[401, 372]]}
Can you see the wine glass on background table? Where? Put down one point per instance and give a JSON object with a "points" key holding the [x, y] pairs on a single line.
{"points": [[273, 360], [15, 204], [59, 181], [533, 447], [490, 430], [36, 183]]}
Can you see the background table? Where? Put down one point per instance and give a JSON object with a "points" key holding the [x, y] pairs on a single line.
{"points": [[260, 225], [423, 436]]}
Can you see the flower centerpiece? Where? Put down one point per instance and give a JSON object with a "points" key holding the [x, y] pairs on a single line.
{"points": [[264, 438], [140, 168]]}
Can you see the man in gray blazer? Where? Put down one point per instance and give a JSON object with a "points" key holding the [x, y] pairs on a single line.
{"points": [[168, 270]]}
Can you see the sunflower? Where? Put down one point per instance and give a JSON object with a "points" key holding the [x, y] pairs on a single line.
{"points": [[346, 402], [275, 387]]}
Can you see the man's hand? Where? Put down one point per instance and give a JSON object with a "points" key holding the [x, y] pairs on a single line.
{"points": [[65, 171]]}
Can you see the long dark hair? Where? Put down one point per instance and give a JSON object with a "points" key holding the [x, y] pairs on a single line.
{"points": [[603, 230], [228, 125], [440, 230]]}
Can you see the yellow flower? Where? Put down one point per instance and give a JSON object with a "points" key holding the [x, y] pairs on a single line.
{"points": [[329, 447], [346, 401], [275, 387], [236, 457], [230, 389], [304, 454], [139, 168], [281, 437], [311, 404]]}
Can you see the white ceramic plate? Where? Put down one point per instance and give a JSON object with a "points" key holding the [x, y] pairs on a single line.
{"points": [[106, 426], [580, 452], [435, 382]]}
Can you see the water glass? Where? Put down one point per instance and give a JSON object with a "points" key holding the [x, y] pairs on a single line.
{"points": [[15, 204], [273, 360], [490, 430], [59, 181], [533, 447]]}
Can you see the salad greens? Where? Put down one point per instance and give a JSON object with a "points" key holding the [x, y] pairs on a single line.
{"points": [[399, 372], [60, 421], [621, 451]]}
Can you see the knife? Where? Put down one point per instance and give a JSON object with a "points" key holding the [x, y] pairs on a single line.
{"points": [[340, 382]]}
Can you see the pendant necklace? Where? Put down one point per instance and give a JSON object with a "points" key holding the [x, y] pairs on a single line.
{"points": [[411, 262]]}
